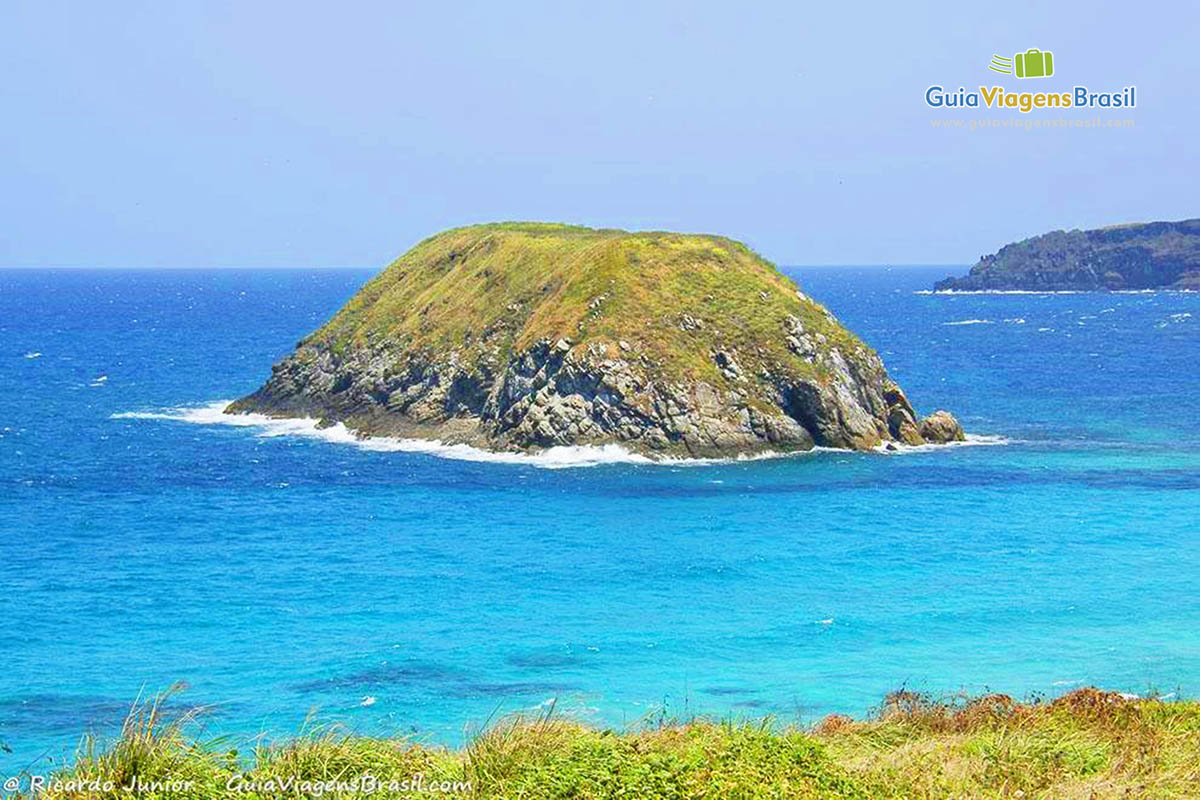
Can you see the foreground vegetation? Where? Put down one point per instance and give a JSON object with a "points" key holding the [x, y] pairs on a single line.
{"points": [[1087, 744]]}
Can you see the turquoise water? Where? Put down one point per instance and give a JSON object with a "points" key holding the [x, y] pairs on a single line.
{"points": [[277, 572]]}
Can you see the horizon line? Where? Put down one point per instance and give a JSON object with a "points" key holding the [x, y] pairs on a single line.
{"points": [[170, 267]]}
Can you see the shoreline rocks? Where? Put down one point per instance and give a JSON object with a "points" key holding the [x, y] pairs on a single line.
{"points": [[679, 373]]}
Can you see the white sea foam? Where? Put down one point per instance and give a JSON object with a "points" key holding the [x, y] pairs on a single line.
{"points": [[972, 440], [999, 291], [33, 354], [561, 457], [551, 458], [1054, 291], [970, 322], [269, 427]]}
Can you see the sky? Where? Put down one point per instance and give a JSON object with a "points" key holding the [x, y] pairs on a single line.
{"points": [[296, 134]]}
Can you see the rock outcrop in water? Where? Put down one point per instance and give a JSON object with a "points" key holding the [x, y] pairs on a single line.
{"points": [[523, 336], [1151, 255]]}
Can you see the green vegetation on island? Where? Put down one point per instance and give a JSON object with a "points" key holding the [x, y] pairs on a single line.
{"points": [[1152, 255], [1086, 744], [522, 336]]}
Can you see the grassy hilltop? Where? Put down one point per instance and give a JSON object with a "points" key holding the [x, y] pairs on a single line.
{"points": [[1087, 744], [527, 335], [489, 290]]}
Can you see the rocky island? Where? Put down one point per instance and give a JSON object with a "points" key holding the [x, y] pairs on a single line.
{"points": [[1151, 255], [524, 336]]}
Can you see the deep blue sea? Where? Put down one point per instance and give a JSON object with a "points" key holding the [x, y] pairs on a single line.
{"points": [[279, 573]]}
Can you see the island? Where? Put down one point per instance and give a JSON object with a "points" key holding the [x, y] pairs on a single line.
{"points": [[1150, 255], [524, 336]]}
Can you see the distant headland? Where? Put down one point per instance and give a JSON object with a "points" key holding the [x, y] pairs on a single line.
{"points": [[525, 336], [1150, 255]]}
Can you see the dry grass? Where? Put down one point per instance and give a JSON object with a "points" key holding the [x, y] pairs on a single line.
{"points": [[484, 292], [1087, 744]]}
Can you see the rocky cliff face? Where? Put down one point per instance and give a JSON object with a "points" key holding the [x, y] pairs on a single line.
{"points": [[1137, 256], [523, 337]]}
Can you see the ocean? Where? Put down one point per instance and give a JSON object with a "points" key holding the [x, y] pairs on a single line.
{"points": [[293, 578]]}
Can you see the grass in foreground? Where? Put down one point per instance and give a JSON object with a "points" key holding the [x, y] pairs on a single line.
{"points": [[1087, 744]]}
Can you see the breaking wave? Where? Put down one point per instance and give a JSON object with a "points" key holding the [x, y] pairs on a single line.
{"points": [[559, 457], [972, 440], [1163, 290], [269, 427]]}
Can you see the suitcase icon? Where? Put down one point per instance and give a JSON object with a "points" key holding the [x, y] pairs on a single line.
{"points": [[1034, 63]]}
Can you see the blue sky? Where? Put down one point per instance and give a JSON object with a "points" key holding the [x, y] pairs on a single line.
{"points": [[303, 134]]}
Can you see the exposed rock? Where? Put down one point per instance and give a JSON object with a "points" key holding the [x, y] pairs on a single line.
{"points": [[476, 336], [1135, 256], [728, 366], [941, 427], [901, 418]]}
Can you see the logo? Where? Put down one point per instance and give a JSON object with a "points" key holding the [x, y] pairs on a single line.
{"points": [[1033, 63]]}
